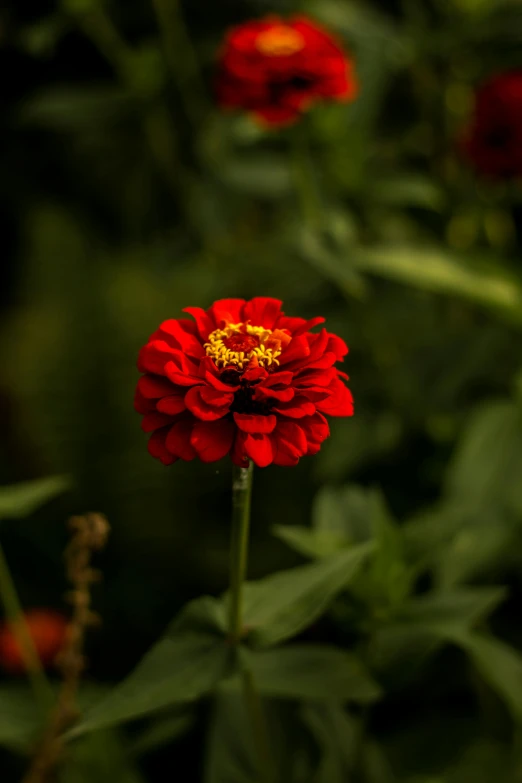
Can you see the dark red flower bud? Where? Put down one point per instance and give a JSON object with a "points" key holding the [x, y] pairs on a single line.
{"points": [[277, 69], [493, 140], [47, 629]]}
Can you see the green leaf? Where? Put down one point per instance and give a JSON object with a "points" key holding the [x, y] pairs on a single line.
{"points": [[334, 263], [21, 500], [264, 175], [19, 720], [310, 672], [338, 736], [280, 606], [498, 663], [180, 668], [340, 518], [308, 542], [434, 269], [487, 465], [103, 758], [76, 109], [406, 189], [162, 731], [426, 622]]}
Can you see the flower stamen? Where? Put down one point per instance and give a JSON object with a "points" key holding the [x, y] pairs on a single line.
{"points": [[279, 41], [242, 345]]}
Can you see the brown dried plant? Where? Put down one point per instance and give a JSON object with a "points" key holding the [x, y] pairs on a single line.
{"points": [[89, 534]]}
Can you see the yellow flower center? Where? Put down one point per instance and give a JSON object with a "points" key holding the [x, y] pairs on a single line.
{"points": [[239, 345], [279, 41]]}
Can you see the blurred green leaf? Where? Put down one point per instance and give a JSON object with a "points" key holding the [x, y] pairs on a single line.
{"points": [[75, 109], [280, 606], [264, 175], [423, 624], [334, 263], [161, 731], [498, 663], [406, 190], [102, 757], [21, 500], [179, 669], [437, 270], [309, 542], [310, 672], [487, 466], [20, 721], [338, 736]]}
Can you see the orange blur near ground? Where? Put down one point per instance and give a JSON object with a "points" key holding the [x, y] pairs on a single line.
{"points": [[47, 629]]}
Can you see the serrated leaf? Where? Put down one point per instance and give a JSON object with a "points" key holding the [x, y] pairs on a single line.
{"points": [[310, 672], [179, 669], [281, 605], [21, 500]]}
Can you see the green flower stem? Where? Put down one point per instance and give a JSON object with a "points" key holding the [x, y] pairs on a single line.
{"points": [[181, 57], [41, 688], [256, 715], [241, 498], [241, 501]]}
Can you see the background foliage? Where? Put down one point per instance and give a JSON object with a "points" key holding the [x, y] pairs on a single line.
{"points": [[126, 196]]}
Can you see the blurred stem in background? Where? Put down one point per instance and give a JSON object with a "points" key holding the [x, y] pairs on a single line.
{"points": [[41, 688], [157, 125], [304, 177], [181, 58], [241, 503]]}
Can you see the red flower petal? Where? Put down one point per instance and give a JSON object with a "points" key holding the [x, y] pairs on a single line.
{"points": [[157, 448], [262, 311], [296, 409], [178, 440], [259, 448], [153, 421], [212, 440], [340, 403], [296, 350], [216, 383], [154, 387], [172, 405], [154, 356], [203, 410], [189, 344], [249, 422], [227, 311], [204, 323], [178, 376]]}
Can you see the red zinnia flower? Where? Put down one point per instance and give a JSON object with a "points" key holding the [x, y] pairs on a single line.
{"points": [[47, 630], [277, 69], [244, 379], [493, 141]]}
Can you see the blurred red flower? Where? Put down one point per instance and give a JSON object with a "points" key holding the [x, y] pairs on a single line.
{"points": [[493, 140], [47, 630], [244, 379], [278, 69]]}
